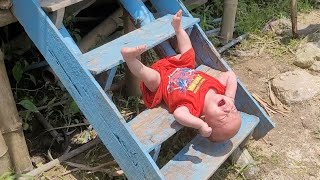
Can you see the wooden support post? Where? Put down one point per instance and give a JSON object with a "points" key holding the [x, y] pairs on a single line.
{"points": [[132, 82], [294, 19], [5, 161], [10, 124], [228, 19]]}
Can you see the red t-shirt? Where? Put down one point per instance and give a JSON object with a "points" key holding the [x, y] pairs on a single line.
{"points": [[181, 84]]}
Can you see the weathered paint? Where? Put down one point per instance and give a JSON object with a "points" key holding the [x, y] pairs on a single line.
{"points": [[153, 126], [206, 54], [91, 99], [108, 55], [201, 158], [111, 74], [68, 40], [142, 16]]}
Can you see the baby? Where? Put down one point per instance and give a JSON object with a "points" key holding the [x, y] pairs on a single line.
{"points": [[188, 93]]}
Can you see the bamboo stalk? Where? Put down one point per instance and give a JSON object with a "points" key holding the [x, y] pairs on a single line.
{"points": [[228, 20], [10, 124], [5, 161]]}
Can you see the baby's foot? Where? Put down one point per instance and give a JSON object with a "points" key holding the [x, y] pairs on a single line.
{"points": [[131, 53], [176, 20], [205, 130]]}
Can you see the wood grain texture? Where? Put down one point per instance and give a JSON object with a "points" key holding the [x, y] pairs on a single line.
{"points": [[201, 158], [90, 97], [108, 55], [206, 54]]}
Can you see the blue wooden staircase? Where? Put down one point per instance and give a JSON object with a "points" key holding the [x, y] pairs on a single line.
{"points": [[131, 143]]}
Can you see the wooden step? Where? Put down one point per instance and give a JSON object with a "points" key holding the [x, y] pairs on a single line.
{"points": [[53, 5], [154, 126], [201, 158], [152, 34]]}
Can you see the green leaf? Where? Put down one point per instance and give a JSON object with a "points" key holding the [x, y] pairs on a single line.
{"points": [[18, 71], [28, 105], [74, 108]]}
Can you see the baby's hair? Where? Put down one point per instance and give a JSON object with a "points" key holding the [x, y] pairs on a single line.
{"points": [[225, 130]]}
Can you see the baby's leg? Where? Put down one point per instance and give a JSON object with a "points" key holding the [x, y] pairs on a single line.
{"points": [[150, 77], [184, 43]]}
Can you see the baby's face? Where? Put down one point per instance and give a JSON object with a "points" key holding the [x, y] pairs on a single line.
{"points": [[220, 107]]}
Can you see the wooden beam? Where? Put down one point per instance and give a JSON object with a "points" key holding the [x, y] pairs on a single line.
{"points": [[228, 19]]}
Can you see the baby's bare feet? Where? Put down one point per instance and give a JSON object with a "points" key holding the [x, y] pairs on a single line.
{"points": [[129, 53], [205, 130], [176, 20]]}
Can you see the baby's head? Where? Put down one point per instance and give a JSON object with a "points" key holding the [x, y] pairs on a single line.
{"points": [[223, 118]]}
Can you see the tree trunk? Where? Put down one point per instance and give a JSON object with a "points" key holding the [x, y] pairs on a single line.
{"points": [[294, 19], [228, 19], [4, 157], [11, 126], [132, 82]]}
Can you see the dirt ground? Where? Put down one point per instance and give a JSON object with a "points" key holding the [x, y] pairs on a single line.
{"points": [[292, 149], [289, 151]]}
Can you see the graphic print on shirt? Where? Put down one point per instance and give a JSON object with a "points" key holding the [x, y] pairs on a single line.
{"points": [[184, 79]]}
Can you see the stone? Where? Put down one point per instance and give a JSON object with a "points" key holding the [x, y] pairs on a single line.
{"points": [[315, 66], [307, 55], [295, 86]]}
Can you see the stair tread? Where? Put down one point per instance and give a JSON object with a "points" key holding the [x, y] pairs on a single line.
{"points": [[201, 158], [154, 126], [53, 5], [107, 56]]}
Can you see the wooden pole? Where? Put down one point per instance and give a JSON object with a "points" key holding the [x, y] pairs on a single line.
{"points": [[132, 82], [10, 124], [294, 19], [5, 162], [228, 20]]}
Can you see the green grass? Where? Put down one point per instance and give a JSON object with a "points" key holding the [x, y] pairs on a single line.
{"points": [[252, 15]]}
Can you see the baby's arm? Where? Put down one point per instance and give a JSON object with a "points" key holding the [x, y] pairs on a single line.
{"points": [[229, 79], [183, 116]]}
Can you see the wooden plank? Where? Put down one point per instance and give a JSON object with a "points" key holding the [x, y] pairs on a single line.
{"points": [[108, 55], [90, 97], [201, 158], [206, 54], [154, 126], [53, 5]]}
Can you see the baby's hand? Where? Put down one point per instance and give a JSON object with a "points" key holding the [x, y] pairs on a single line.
{"points": [[205, 130]]}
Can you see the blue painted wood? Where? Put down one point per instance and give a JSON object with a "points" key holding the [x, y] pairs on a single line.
{"points": [[206, 54], [69, 41], [90, 97], [153, 126], [108, 55], [155, 153], [201, 158], [142, 16], [111, 74]]}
